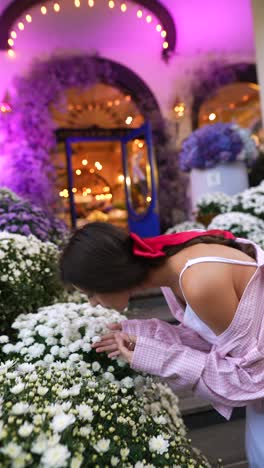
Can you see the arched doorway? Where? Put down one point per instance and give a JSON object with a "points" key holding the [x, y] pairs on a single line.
{"points": [[31, 122]]}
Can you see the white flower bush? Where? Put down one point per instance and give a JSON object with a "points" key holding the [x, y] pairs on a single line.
{"points": [[185, 226], [250, 201], [28, 275], [64, 405], [240, 224], [216, 203]]}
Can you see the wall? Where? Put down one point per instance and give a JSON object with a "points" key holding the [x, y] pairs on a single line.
{"points": [[205, 30]]}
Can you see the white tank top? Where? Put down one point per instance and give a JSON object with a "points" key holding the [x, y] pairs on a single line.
{"points": [[190, 319]]}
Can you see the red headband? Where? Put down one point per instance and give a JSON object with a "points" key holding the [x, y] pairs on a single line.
{"points": [[152, 247]]}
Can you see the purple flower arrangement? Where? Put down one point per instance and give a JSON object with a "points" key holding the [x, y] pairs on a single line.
{"points": [[21, 217], [217, 143]]}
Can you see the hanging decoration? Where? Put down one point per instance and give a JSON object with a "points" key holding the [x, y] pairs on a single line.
{"points": [[152, 12]]}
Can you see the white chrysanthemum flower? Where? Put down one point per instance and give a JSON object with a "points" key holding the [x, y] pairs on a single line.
{"points": [[56, 457], [102, 445], [76, 462], [160, 419], [127, 382], [17, 388], [240, 224], [61, 421], [158, 444], [124, 452], [85, 412], [42, 390], [96, 366], [25, 430], [4, 339], [12, 450], [20, 408], [114, 461], [26, 368]]}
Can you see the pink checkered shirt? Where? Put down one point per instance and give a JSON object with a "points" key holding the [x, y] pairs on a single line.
{"points": [[229, 373]]}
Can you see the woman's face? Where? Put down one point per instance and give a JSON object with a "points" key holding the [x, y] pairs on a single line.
{"points": [[117, 300]]}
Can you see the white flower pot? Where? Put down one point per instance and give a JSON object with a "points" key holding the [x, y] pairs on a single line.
{"points": [[229, 178]]}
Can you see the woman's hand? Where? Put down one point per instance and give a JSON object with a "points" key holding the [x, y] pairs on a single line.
{"points": [[126, 345], [107, 342]]}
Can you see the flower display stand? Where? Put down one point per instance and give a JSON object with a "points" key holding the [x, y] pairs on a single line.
{"points": [[229, 178]]}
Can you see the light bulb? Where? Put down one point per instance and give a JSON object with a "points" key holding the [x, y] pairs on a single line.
{"points": [[129, 120], [29, 18], [165, 45], [10, 42], [139, 13], [84, 162], [90, 3], [21, 26], [78, 172], [43, 10], [212, 116], [111, 4], [163, 33], [11, 53], [77, 3], [123, 7], [148, 19], [13, 34], [158, 28], [56, 7]]}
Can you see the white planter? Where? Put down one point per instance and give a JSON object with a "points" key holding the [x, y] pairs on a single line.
{"points": [[229, 178]]}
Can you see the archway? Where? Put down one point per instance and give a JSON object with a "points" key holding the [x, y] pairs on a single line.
{"points": [[27, 166], [217, 77]]}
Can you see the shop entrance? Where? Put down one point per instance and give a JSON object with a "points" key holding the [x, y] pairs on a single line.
{"points": [[111, 177]]}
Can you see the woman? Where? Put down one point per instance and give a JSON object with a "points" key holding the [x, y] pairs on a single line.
{"points": [[214, 286]]}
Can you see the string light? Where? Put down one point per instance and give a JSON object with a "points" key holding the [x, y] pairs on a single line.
{"points": [[98, 165], [212, 116], [148, 199], [91, 171], [77, 3], [78, 172], [56, 7], [74, 190], [84, 162], [11, 53], [120, 178], [129, 120]]}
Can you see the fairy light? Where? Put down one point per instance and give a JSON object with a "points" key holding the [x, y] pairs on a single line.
{"points": [[139, 13], [163, 33], [74, 190], [91, 3], [165, 45], [78, 172], [13, 34], [123, 7], [77, 3], [10, 42], [129, 120], [21, 26], [121, 178], [29, 18], [148, 199], [56, 7], [111, 4], [158, 27], [148, 19], [11, 53], [43, 10], [212, 116], [84, 162], [98, 165], [91, 171]]}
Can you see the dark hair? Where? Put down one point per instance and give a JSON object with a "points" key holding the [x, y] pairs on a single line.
{"points": [[99, 258]]}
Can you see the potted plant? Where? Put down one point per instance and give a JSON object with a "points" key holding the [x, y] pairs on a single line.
{"points": [[217, 157]]}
